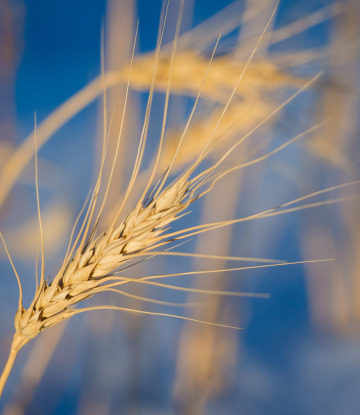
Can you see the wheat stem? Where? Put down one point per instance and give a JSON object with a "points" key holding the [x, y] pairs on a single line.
{"points": [[6, 372]]}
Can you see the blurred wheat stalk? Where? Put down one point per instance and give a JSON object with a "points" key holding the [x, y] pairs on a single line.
{"points": [[335, 295]]}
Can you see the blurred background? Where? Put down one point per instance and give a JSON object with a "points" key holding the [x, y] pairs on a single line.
{"points": [[299, 350]]}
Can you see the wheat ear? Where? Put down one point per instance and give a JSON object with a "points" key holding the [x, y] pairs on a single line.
{"points": [[189, 67]]}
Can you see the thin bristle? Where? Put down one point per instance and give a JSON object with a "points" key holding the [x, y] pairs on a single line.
{"points": [[42, 275], [15, 272]]}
